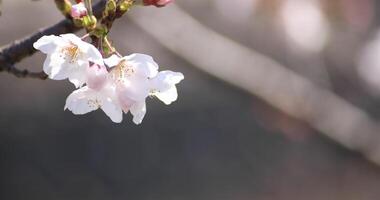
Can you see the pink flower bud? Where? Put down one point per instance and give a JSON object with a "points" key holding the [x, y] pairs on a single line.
{"points": [[96, 76], [78, 10], [157, 3]]}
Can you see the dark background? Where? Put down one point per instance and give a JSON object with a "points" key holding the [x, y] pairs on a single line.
{"points": [[215, 142]]}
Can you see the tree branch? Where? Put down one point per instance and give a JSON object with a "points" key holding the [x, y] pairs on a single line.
{"points": [[263, 77], [14, 52]]}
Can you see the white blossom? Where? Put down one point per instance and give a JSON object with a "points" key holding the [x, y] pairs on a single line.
{"points": [[67, 57], [131, 76], [122, 88], [136, 77], [98, 93], [163, 86]]}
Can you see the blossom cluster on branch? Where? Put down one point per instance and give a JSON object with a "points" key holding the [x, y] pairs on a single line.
{"points": [[104, 79]]}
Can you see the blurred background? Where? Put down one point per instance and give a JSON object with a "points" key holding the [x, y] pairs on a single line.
{"points": [[281, 100]]}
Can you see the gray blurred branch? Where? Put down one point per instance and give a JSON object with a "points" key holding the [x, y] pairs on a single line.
{"points": [[14, 52], [263, 77]]}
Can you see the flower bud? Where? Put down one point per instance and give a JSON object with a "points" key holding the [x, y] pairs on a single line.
{"points": [[110, 7], [89, 21], [96, 76], [78, 10], [157, 3]]}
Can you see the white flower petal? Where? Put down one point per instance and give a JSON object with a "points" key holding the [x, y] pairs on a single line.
{"points": [[89, 51], [48, 43], [173, 77], [134, 88], [112, 60], [69, 37], [47, 65], [165, 80], [78, 77], [138, 111], [168, 96], [81, 101], [144, 65], [112, 109], [56, 68], [92, 54]]}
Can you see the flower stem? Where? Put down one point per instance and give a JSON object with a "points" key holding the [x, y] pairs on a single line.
{"points": [[85, 36], [88, 4], [111, 49]]}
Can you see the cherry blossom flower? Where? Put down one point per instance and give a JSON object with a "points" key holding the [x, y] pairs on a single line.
{"points": [[122, 87], [131, 78], [67, 57], [132, 73], [85, 100], [136, 77], [78, 10], [98, 93], [103, 90]]}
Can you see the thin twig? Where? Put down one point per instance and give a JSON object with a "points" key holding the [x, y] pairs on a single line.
{"points": [[24, 73], [64, 6], [88, 4]]}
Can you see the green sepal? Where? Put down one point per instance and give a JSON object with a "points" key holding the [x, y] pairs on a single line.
{"points": [[99, 31], [78, 22], [89, 21], [125, 5], [110, 8]]}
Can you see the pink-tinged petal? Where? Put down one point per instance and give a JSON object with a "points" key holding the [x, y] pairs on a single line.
{"points": [[134, 88], [78, 10], [124, 101], [96, 76], [157, 3]]}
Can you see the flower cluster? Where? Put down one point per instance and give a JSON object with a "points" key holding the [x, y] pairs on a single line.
{"points": [[114, 84]]}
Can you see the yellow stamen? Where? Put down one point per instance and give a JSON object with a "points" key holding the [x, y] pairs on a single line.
{"points": [[71, 52], [94, 103], [122, 70]]}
